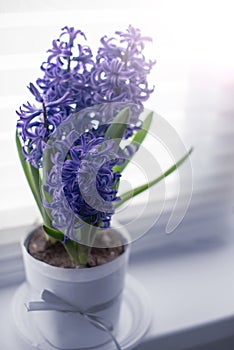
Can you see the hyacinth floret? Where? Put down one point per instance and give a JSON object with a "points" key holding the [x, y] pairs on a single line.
{"points": [[87, 185], [72, 81], [88, 177], [122, 69]]}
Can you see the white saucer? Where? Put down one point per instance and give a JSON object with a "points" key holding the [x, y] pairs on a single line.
{"points": [[135, 318]]}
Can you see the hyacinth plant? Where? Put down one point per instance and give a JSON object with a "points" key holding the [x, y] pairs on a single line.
{"points": [[70, 139]]}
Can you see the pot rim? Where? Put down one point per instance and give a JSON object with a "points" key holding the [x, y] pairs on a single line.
{"points": [[78, 273]]}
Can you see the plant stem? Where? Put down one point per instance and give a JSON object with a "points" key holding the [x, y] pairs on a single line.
{"points": [[46, 125]]}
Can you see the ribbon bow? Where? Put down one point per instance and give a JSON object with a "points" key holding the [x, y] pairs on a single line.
{"points": [[50, 301]]}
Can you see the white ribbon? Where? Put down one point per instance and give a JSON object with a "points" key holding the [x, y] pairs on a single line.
{"points": [[51, 302]]}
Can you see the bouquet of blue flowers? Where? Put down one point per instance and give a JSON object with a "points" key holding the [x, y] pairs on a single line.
{"points": [[82, 131]]}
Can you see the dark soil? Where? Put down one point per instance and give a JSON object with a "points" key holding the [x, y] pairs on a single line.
{"points": [[55, 254]]}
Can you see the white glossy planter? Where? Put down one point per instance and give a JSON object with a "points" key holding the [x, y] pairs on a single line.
{"points": [[84, 288]]}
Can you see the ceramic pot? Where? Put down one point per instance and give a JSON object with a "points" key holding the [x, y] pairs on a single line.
{"points": [[85, 288]]}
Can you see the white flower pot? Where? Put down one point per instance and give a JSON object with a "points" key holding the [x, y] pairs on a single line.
{"points": [[84, 288]]}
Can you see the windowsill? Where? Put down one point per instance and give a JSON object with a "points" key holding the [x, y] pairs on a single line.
{"points": [[191, 286], [188, 275]]}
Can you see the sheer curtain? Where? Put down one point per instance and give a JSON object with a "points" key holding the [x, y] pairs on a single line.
{"points": [[194, 83]]}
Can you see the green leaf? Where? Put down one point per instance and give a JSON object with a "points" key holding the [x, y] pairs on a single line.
{"points": [[141, 134], [137, 139], [58, 235], [33, 178], [32, 174], [117, 129], [72, 250], [78, 252], [47, 164], [130, 194], [75, 251]]}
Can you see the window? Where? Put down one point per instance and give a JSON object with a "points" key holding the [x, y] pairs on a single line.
{"points": [[193, 84]]}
